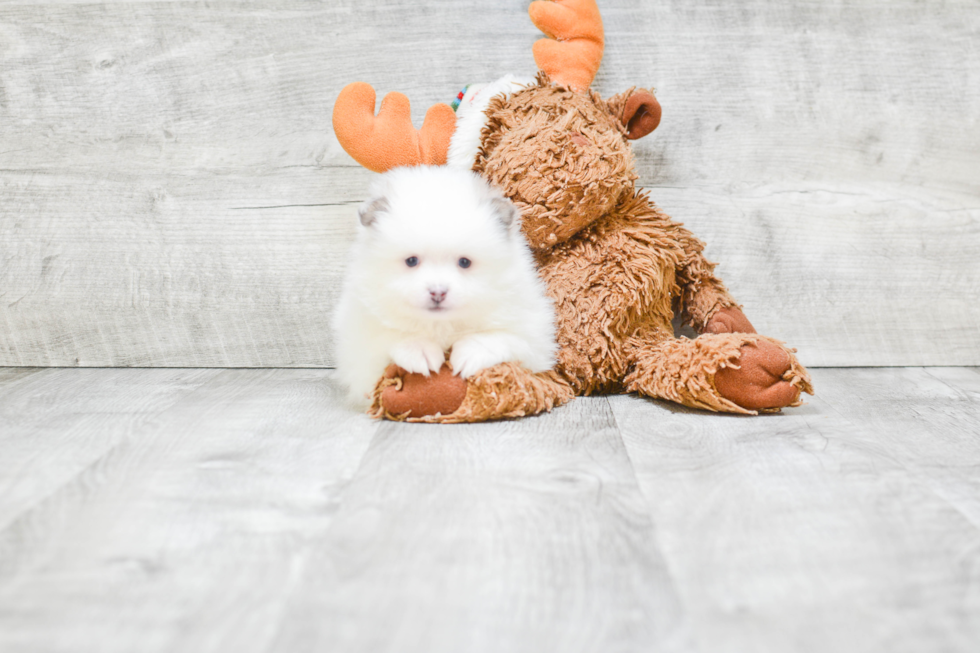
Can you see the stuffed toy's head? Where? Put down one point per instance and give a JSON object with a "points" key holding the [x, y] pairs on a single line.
{"points": [[562, 155], [552, 145]]}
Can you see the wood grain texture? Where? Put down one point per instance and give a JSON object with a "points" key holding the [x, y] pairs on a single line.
{"points": [[826, 153], [182, 535], [517, 536], [850, 524], [54, 427], [249, 510], [215, 281], [849, 273]]}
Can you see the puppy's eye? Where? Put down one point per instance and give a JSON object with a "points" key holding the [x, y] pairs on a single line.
{"points": [[412, 261], [465, 263]]}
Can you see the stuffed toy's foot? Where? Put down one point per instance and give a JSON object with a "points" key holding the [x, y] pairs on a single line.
{"points": [[725, 372], [767, 377], [505, 390], [403, 395]]}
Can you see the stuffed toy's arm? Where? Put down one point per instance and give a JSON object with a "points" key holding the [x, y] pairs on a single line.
{"points": [[767, 375], [502, 391], [705, 302], [607, 286]]}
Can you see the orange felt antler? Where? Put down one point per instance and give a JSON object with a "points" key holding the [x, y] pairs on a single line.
{"points": [[574, 57], [388, 140]]}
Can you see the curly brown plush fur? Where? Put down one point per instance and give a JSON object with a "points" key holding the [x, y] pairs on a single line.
{"points": [[617, 267], [506, 390]]}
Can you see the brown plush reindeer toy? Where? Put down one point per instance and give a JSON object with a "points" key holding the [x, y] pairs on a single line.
{"points": [[616, 266]]}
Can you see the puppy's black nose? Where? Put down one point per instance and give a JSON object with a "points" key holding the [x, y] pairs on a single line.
{"points": [[437, 295]]}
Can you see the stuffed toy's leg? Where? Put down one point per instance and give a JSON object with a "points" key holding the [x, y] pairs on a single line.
{"points": [[725, 372], [505, 390]]}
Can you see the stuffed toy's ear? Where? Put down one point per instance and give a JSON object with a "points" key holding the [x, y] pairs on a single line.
{"points": [[638, 110]]}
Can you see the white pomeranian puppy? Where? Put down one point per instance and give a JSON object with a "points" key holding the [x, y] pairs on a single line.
{"points": [[439, 263]]}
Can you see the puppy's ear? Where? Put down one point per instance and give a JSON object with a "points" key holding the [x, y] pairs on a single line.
{"points": [[507, 213], [368, 212]]}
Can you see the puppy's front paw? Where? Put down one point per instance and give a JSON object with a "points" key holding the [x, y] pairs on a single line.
{"points": [[475, 353], [418, 356]]}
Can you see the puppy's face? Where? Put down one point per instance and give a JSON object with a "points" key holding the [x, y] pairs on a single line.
{"points": [[436, 244]]}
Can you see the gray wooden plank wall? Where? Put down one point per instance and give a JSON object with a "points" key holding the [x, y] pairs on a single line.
{"points": [[171, 193]]}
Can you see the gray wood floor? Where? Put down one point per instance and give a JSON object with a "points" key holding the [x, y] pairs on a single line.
{"points": [[248, 510]]}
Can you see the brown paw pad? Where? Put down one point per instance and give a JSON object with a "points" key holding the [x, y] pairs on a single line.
{"points": [[419, 396], [758, 382], [729, 320]]}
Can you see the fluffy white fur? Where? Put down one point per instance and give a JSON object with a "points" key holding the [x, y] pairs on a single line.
{"points": [[471, 117], [493, 311]]}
